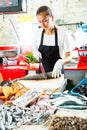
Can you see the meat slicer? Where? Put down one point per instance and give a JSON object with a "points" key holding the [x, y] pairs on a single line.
{"points": [[9, 42]]}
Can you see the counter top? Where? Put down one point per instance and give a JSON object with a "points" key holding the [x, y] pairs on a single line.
{"points": [[17, 71], [75, 66], [49, 85], [34, 66]]}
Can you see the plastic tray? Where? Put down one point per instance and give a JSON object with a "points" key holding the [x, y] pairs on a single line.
{"points": [[84, 81]]}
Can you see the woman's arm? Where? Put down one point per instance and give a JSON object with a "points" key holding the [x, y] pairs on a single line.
{"points": [[67, 58]]}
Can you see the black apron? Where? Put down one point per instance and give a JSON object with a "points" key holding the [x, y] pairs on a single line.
{"points": [[50, 54]]}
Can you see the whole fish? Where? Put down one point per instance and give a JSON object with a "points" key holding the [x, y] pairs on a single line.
{"points": [[67, 99]]}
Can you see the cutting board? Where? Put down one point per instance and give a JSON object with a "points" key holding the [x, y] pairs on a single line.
{"points": [[47, 84]]}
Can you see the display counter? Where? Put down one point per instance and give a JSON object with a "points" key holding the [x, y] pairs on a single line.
{"points": [[49, 85], [75, 71], [17, 71]]}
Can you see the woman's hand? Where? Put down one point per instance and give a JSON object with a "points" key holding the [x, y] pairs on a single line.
{"points": [[57, 69]]}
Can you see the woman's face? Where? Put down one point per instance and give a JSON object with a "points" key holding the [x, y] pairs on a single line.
{"points": [[45, 21]]}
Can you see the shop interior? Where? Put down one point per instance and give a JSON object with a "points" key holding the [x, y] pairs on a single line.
{"points": [[29, 100]]}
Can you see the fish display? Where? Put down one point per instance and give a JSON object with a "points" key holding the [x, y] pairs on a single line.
{"points": [[67, 100], [36, 107], [12, 116], [68, 123], [81, 89]]}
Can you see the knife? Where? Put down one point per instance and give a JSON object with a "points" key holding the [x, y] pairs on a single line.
{"points": [[41, 76], [42, 69]]}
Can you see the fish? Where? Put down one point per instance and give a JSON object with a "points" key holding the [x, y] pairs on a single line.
{"points": [[77, 107], [74, 98], [67, 99]]}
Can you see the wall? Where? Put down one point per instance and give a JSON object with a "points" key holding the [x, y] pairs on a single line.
{"points": [[65, 11]]}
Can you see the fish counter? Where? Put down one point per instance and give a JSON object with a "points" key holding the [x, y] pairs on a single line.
{"points": [[42, 105], [45, 111], [63, 119]]}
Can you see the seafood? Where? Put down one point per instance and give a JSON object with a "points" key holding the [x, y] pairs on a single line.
{"points": [[81, 89], [28, 98], [68, 100], [13, 91], [37, 113], [68, 123], [12, 116]]}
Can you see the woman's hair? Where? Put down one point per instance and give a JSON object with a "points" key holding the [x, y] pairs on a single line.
{"points": [[44, 9]]}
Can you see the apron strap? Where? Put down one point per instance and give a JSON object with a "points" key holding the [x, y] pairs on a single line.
{"points": [[56, 37], [41, 42]]}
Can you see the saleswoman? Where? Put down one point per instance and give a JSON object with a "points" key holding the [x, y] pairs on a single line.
{"points": [[50, 43]]}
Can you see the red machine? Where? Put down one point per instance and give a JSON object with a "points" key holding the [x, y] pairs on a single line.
{"points": [[13, 61]]}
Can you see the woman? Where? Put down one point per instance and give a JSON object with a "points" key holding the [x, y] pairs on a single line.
{"points": [[50, 43]]}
